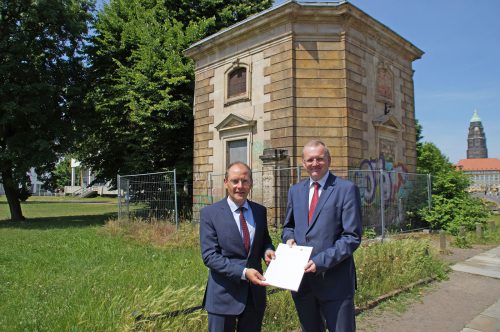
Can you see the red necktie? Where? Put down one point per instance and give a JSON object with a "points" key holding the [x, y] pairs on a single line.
{"points": [[244, 230], [314, 201]]}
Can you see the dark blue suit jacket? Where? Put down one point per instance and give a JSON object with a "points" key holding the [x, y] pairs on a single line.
{"points": [[224, 254], [334, 233]]}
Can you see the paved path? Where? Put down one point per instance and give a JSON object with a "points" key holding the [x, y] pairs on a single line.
{"points": [[468, 302], [485, 264]]}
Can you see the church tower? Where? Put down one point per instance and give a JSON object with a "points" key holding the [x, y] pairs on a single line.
{"points": [[476, 140]]}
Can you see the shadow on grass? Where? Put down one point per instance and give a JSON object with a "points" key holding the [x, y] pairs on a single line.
{"points": [[59, 222], [67, 202]]}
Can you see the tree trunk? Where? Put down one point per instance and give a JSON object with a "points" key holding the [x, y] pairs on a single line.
{"points": [[12, 193]]}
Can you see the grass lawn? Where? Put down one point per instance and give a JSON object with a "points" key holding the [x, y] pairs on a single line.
{"points": [[66, 269], [60, 272]]}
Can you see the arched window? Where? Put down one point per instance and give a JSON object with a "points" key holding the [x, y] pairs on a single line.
{"points": [[237, 82]]}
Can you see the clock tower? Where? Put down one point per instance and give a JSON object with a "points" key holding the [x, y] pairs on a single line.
{"points": [[476, 140]]}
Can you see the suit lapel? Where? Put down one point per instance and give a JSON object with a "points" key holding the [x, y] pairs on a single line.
{"points": [[258, 219], [325, 195], [228, 215], [305, 201], [228, 219]]}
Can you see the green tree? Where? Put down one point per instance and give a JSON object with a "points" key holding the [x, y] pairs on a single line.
{"points": [[143, 84], [219, 13], [419, 136], [61, 176], [41, 75], [452, 206], [447, 181]]}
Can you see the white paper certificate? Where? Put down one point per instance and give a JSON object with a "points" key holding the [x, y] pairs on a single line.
{"points": [[287, 269]]}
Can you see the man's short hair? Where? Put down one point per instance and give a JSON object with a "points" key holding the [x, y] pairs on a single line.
{"points": [[238, 163], [314, 143]]}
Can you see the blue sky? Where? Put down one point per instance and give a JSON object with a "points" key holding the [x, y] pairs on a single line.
{"points": [[460, 70]]}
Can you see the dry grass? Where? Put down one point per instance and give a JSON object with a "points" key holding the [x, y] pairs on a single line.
{"points": [[155, 232], [163, 311]]}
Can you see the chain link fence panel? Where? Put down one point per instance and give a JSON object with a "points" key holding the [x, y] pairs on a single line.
{"points": [[389, 199], [151, 196]]}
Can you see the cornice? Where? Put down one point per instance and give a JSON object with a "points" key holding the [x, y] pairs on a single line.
{"points": [[292, 12]]}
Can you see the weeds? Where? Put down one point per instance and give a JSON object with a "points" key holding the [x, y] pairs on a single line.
{"points": [[490, 235], [156, 233], [383, 267], [170, 310], [460, 241]]}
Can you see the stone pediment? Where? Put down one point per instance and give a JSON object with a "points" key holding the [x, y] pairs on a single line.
{"points": [[387, 122], [233, 121]]}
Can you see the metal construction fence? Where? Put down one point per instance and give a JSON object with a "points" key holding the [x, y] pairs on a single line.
{"points": [[389, 199], [270, 188], [151, 196]]}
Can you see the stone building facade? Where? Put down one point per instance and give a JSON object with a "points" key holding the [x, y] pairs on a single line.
{"points": [[267, 85]]}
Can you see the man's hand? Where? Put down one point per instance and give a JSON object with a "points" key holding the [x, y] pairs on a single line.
{"points": [[255, 277], [269, 256], [310, 267], [290, 242]]}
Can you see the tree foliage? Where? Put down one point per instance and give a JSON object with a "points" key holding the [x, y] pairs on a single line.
{"points": [[446, 181], [452, 213], [452, 206], [143, 85], [41, 75], [61, 175], [218, 14], [419, 136]]}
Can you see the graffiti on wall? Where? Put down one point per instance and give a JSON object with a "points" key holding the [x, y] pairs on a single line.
{"points": [[382, 176]]}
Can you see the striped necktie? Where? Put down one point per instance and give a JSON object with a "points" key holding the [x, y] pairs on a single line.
{"points": [[244, 230]]}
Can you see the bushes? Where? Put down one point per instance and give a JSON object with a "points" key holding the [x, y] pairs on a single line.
{"points": [[452, 206], [451, 213]]}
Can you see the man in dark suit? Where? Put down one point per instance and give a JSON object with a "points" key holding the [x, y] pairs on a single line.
{"points": [[324, 212], [234, 239]]}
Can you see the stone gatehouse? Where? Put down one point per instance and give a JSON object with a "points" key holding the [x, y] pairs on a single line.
{"points": [[297, 71]]}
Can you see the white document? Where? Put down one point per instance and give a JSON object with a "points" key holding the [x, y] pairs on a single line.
{"points": [[287, 269]]}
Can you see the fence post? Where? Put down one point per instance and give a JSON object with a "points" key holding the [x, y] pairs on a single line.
{"points": [[127, 197], [493, 226], [298, 174], [277, 196], [479, 230], [461, 231], [175, 200], [382, 207], [442, 241], [119, 196], [429, 191]]}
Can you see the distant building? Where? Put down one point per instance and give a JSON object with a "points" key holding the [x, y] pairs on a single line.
{"points": [[484, 173], [476, 140], [82, 183], [36, 185]]}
